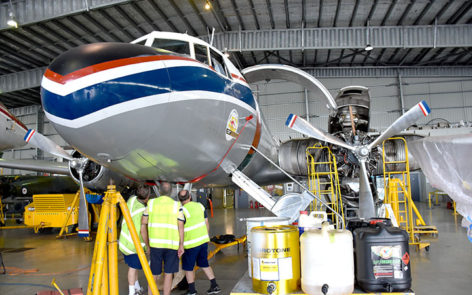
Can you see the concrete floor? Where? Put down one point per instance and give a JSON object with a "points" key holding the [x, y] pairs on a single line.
{"points": [[445, 269]]}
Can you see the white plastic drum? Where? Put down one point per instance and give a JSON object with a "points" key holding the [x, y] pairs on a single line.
{"points": [[260, 221], [327, 261]]}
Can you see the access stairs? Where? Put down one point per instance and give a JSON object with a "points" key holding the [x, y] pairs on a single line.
{"points": [[398, 196]]}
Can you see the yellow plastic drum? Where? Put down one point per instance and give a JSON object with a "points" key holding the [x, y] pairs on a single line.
{"points": [[275, 255]]}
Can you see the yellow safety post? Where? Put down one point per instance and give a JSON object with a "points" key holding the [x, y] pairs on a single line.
{"points": [[2, 216], [103, 277], [323, 180], [113, 252], [56, 286]]}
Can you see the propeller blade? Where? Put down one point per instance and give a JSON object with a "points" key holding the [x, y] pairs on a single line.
{"points": [[42, 142], [406, 120], [299, 124], [366, 200], [84, 229]]}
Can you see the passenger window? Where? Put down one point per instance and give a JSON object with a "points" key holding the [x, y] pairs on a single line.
{"points": [[201, 53], [176, 46], [218, 63]]}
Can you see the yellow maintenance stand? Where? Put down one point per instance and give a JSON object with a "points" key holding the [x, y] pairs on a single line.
{"points": [[103, 277], [323, 181], [398, 196]]}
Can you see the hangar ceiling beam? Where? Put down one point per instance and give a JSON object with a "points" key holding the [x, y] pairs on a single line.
{"points": [[32, 78], [430, 36], [21, 80], [33, 11]]}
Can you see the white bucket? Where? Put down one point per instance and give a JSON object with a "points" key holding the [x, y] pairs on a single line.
{"points": [[260, 221]]}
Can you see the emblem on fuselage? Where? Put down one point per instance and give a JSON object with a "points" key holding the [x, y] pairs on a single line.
{"points": [[232, 125]]}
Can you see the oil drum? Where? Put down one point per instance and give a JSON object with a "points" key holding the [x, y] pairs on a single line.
{"points": [[275, 256], [260, 221], [382, 258]]}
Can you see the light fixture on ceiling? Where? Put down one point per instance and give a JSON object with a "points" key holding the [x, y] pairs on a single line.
{"points": [[207, 5], [369, 46], [11, 22]]}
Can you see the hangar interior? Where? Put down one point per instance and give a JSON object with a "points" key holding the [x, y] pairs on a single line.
{"points": [[421, 50]]}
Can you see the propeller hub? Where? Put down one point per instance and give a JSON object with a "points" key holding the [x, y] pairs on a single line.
{"points": [[364, 151]]}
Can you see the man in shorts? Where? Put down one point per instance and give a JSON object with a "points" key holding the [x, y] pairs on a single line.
{"points": [[136, 206], [196, 228], [163, 235]]}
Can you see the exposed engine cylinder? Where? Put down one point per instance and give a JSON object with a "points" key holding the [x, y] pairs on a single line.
{"points": [[97, 177], [356, 98]]}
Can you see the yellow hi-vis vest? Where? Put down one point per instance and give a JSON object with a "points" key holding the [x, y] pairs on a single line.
{"points": [[195, 230], [162, 226], [136, 209]]}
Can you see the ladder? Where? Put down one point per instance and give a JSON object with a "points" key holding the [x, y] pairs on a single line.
{"points": [[323, 180], [398, 195]]}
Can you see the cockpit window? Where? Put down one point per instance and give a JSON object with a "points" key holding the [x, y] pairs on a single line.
{"points": [[142, 42], [177, 46], [218, 63], [201, 53]]}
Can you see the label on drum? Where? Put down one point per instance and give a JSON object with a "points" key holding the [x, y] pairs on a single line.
{"points": [[387, 261], [272, 269]]}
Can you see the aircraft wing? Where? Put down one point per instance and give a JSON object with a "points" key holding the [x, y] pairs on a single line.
{"points": [[37, 165]]}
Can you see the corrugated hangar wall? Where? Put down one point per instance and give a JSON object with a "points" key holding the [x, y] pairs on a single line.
{"points": [[449, 98]]}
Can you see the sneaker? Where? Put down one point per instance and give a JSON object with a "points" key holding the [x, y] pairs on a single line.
{"points": [[191, 293], [214, 290], [139, 291]]}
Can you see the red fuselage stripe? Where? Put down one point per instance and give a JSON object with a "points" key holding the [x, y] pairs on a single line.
{"points": [[109, 65]]}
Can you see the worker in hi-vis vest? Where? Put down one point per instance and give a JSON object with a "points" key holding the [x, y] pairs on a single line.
{"points": [[163, 235], [136, 206], [196, 229]]}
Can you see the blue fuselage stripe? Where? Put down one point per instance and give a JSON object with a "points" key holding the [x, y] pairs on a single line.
{"points": [[102, 95]]}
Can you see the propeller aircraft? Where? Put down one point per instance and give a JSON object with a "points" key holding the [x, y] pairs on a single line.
{"points": [[171, 107]]}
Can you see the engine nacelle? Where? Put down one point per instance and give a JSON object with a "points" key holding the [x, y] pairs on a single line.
{"points": [[355, 101], [97, 177], [292, 155]]}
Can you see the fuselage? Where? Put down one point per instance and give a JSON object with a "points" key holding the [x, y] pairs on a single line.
{"points": [[154, 114]]}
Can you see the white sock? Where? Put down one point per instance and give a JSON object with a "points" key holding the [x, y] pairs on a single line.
{"points": [[131, 290], [136, 285]]}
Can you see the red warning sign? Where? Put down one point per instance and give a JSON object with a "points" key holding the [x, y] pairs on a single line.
{"points": [[406, 258]]}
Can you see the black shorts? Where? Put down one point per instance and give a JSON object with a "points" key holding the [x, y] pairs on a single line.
{"points": [[197, 254], [168, 256], [133, 261]]}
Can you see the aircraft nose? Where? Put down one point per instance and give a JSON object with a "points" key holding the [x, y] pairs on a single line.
{"points": [[100, 79]]}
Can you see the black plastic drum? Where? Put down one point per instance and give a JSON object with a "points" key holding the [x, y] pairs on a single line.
{"points": [[382, 258]]}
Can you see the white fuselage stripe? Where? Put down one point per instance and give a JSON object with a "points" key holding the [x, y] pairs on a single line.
{"points": [[111, 74], [115, 73], [144, 102]]}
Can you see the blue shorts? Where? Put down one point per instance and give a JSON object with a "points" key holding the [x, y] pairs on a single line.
{"points": [[197, 254], [168, 256], [133, 261]]}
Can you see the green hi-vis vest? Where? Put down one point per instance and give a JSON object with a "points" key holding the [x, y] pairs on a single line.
{"points": [[162, 226], [136, 209], [195, 230]]}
